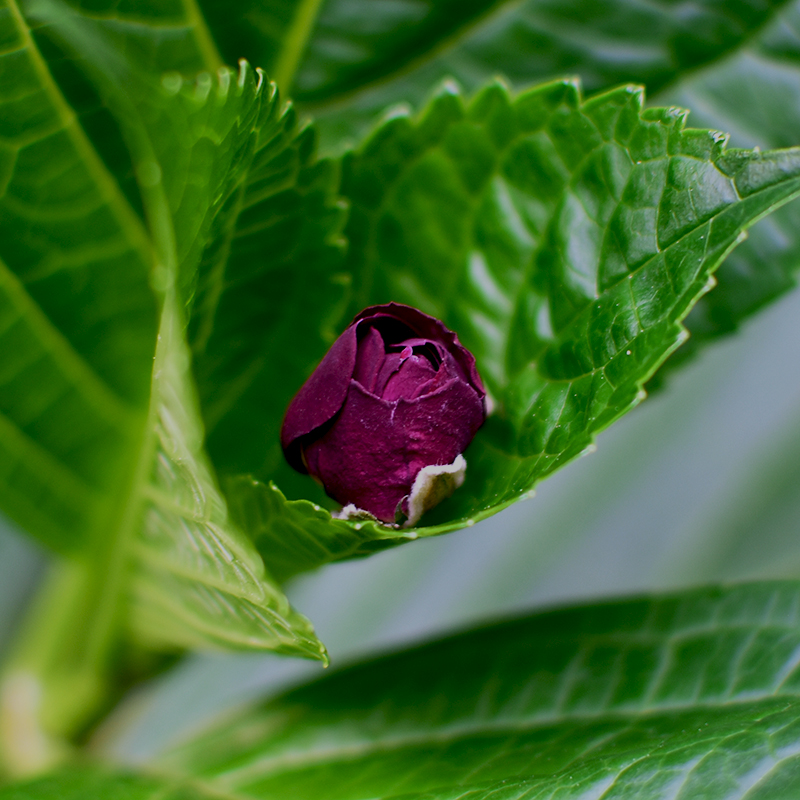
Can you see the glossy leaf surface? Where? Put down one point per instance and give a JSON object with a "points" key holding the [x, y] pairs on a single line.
{"points": [[736, 65], [684, 696], [564, 240]]}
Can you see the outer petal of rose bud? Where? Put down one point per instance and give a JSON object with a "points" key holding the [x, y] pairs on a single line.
{"points": [[320, 398], [373, 453]]}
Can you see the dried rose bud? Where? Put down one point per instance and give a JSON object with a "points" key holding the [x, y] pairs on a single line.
{"points": [[383, 420]]}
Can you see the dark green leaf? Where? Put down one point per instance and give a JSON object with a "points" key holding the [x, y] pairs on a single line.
{"points": [[564, 241], [736, 65], [693, 695], [360, 56]]}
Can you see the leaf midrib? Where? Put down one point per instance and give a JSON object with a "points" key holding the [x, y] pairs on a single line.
{"points": [[263, 767], [417, 61], [295, 42], [205, 42]]}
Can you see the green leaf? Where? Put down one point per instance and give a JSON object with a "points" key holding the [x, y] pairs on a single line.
{"points": [[361, 56], [512, 220], [155, 36], [197, 579], [79, 784], [736, 65], [270, 294], [78, 348], [564, 240], [299, 535], [682, 696], [116, 432], [754, 95]]}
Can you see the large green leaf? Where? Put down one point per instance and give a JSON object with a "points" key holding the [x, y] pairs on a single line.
{"points": [[736, 65], [197, 578], [683, 696], [564, 240], [102, 413], [77, 347], [692, 695], [81, 784]]}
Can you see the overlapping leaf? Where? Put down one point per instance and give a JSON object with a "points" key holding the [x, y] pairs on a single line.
{"points": [[196, 578], [683, 696], [270, 297], [359, 57]]}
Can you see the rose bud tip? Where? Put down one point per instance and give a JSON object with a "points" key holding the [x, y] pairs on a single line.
{"points": [[384, 419]]}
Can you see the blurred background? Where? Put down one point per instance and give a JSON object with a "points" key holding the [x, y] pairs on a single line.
{"points": [[696, 485]]}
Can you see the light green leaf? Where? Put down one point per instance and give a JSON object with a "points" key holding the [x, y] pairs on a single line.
{"points": [[692, 695], [197, 579], [81, 784], [119, 413], [78, 349], [155, 36]]}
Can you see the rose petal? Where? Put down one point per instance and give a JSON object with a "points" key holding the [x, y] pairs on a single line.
{"points": [[433, 351], [373, 451], [427, 327], [406, 380], [369, 359], [320, 397], [396, 393]]}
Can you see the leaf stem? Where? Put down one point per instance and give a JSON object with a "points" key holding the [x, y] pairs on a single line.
{"points": [[205, 42], [294, 46], [54, 679]]}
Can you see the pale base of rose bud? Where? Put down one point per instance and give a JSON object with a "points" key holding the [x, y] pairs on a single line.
{"points": [[432, 485], [352, 513]]}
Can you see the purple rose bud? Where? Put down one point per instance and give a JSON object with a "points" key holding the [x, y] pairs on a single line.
{"points": [[397, 399]]}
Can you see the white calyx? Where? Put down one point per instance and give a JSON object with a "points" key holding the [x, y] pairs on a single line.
{"points": [[352, 512], [432, 485]]}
